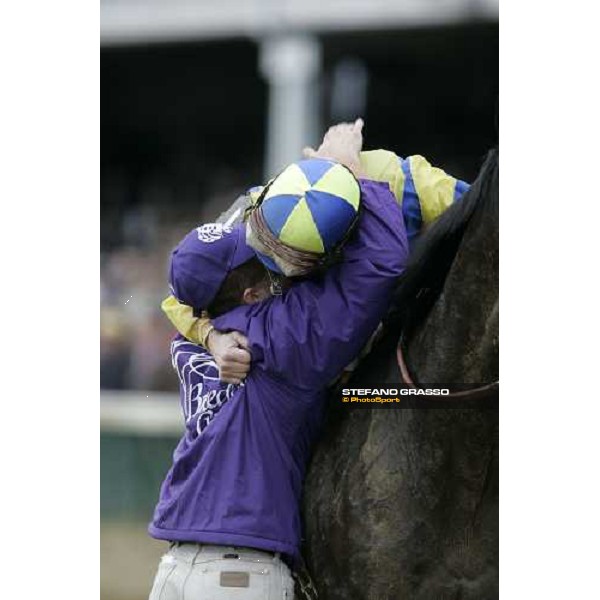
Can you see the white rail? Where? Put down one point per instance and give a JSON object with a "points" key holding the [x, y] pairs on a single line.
{"points": [[140, 413], [142, 21]]}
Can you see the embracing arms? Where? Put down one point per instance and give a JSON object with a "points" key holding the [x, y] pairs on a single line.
{"points": [[308, 335], [422, 191]]}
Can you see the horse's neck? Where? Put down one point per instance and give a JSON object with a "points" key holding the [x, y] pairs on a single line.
{"points": [[458, 342]]}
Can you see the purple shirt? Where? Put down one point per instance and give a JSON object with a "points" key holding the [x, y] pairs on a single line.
{"points": [[237, 473]]}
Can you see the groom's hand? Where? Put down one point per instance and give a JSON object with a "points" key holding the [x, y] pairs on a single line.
{"points": [[342, 143], [231, 353]]}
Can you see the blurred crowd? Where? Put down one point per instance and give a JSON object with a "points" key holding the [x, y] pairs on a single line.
{"points": [[137, 241]]}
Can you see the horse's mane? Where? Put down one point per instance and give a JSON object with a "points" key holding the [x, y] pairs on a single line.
{"points": [[434, 252]]}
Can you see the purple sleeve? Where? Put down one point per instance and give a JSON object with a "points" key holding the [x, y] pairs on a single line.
{"points": [[312, 332]]}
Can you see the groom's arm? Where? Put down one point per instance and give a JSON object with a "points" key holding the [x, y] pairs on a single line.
{"points": [[308, 335]]}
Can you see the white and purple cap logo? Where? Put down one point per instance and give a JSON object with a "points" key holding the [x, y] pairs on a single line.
{"points": [[204, 258], [211, 232]]}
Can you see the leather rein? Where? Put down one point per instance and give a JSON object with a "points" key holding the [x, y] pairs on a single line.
{"points": [[480, 392]]}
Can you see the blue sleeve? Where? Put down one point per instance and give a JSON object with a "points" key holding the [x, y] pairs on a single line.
{"points": [[312, 332], [461, 188], [428, 192]]}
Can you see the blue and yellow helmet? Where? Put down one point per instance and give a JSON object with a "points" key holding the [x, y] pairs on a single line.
{"points": [[309, 207]]}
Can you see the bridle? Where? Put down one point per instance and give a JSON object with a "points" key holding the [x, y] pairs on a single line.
{"points": [[479, 393]]}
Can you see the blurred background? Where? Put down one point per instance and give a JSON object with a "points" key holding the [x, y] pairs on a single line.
{"points": [[202, 99]]}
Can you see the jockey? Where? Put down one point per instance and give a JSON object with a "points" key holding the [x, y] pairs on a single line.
{"points": [[232, 497], [423, 192]]}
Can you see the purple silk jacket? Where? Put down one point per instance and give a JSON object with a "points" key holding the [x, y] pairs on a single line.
{"points": [[237, 472]]}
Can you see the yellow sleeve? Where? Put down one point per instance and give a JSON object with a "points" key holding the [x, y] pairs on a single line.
{"points": [[434, 187], [195, 329], [383, 165]]}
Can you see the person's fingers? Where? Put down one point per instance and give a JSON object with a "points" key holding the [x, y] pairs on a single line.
{"points": [[337, 128], [235, 369], [236, 355], [228, 379], [309, 152], [234, 365], [233, 373], [232, 377], [343, 127], [240, 339]]}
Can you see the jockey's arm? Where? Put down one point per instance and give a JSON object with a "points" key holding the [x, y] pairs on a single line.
{"points": [[423, 191], [308, 335], [230, 350], [195, 329]]}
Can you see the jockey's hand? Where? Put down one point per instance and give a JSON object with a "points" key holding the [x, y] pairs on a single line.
{"points": [[231, 353], [342, 143]]}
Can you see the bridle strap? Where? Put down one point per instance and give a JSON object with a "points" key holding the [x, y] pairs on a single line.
{"points": [[475, 394]]}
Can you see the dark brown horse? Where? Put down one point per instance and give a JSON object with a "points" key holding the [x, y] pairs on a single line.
{"points": [[403, 504]]}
